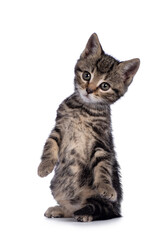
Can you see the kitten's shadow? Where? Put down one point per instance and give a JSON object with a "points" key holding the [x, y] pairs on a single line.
{"points": [[73, 221]]}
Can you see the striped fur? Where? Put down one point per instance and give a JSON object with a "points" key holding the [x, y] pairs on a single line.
{"points": [[86, 184]]}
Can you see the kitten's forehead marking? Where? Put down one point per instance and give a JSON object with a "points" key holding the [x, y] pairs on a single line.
{"points": [[94, 78], [92, 75]]}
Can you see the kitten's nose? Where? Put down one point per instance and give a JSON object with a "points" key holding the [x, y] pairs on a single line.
{"points": [[89, 90]]}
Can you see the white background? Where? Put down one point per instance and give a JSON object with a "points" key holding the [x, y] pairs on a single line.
{"points": [[40, 42]]}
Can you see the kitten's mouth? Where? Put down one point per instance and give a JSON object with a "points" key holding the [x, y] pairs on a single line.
{"points": [[85, 96]]}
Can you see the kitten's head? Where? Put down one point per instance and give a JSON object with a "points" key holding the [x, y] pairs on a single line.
{"points": [[100, 78]]}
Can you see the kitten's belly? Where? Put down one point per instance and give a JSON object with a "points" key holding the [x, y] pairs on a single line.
{"points": [[74, 153]]}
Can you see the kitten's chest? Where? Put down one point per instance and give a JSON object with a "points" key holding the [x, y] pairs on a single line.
{"points": [[82, 128], [76, 127], [76, 134]]}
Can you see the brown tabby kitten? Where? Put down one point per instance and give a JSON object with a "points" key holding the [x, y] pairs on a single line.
{"points": [[86, 183]]}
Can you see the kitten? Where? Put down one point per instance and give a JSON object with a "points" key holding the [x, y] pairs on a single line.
{"points": [[86, 183]]}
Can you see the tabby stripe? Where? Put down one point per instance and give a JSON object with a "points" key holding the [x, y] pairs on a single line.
{"points": [[55, 139], [101, 126], [116, 92], [97, 147], [46, 156], [93, 152], [98, 160], [101, 121], [100, 144], [71, 105], [59, 116], [109, 69], [105, 170], [94, 114], [78, 69], [56, 129], [106, 181], [47, 145], [95, 129]]}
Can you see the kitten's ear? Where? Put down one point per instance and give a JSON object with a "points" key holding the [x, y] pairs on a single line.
{"points": [[128, 69], [93, 47]]}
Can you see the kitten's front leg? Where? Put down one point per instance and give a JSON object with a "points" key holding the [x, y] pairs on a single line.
{"points": [[50, 153], [102, 170]]}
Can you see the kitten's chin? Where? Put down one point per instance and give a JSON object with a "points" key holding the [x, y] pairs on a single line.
{"points": [[85, 97]]}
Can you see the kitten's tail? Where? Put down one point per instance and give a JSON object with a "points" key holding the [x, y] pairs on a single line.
{"points": [[99, 209]]}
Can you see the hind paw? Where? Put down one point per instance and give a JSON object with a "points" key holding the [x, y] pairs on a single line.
{"points": [[83, 218]]}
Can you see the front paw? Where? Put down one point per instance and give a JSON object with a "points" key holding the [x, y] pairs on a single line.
{"points": [[45, 168], [108, 192]]}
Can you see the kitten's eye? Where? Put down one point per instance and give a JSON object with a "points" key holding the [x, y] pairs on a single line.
{"points": [[86, 76], [104, 86]]}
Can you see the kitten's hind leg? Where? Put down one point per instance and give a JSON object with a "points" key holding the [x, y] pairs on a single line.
{"points": [[84, 214], [96, 209], [55, 212]]}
